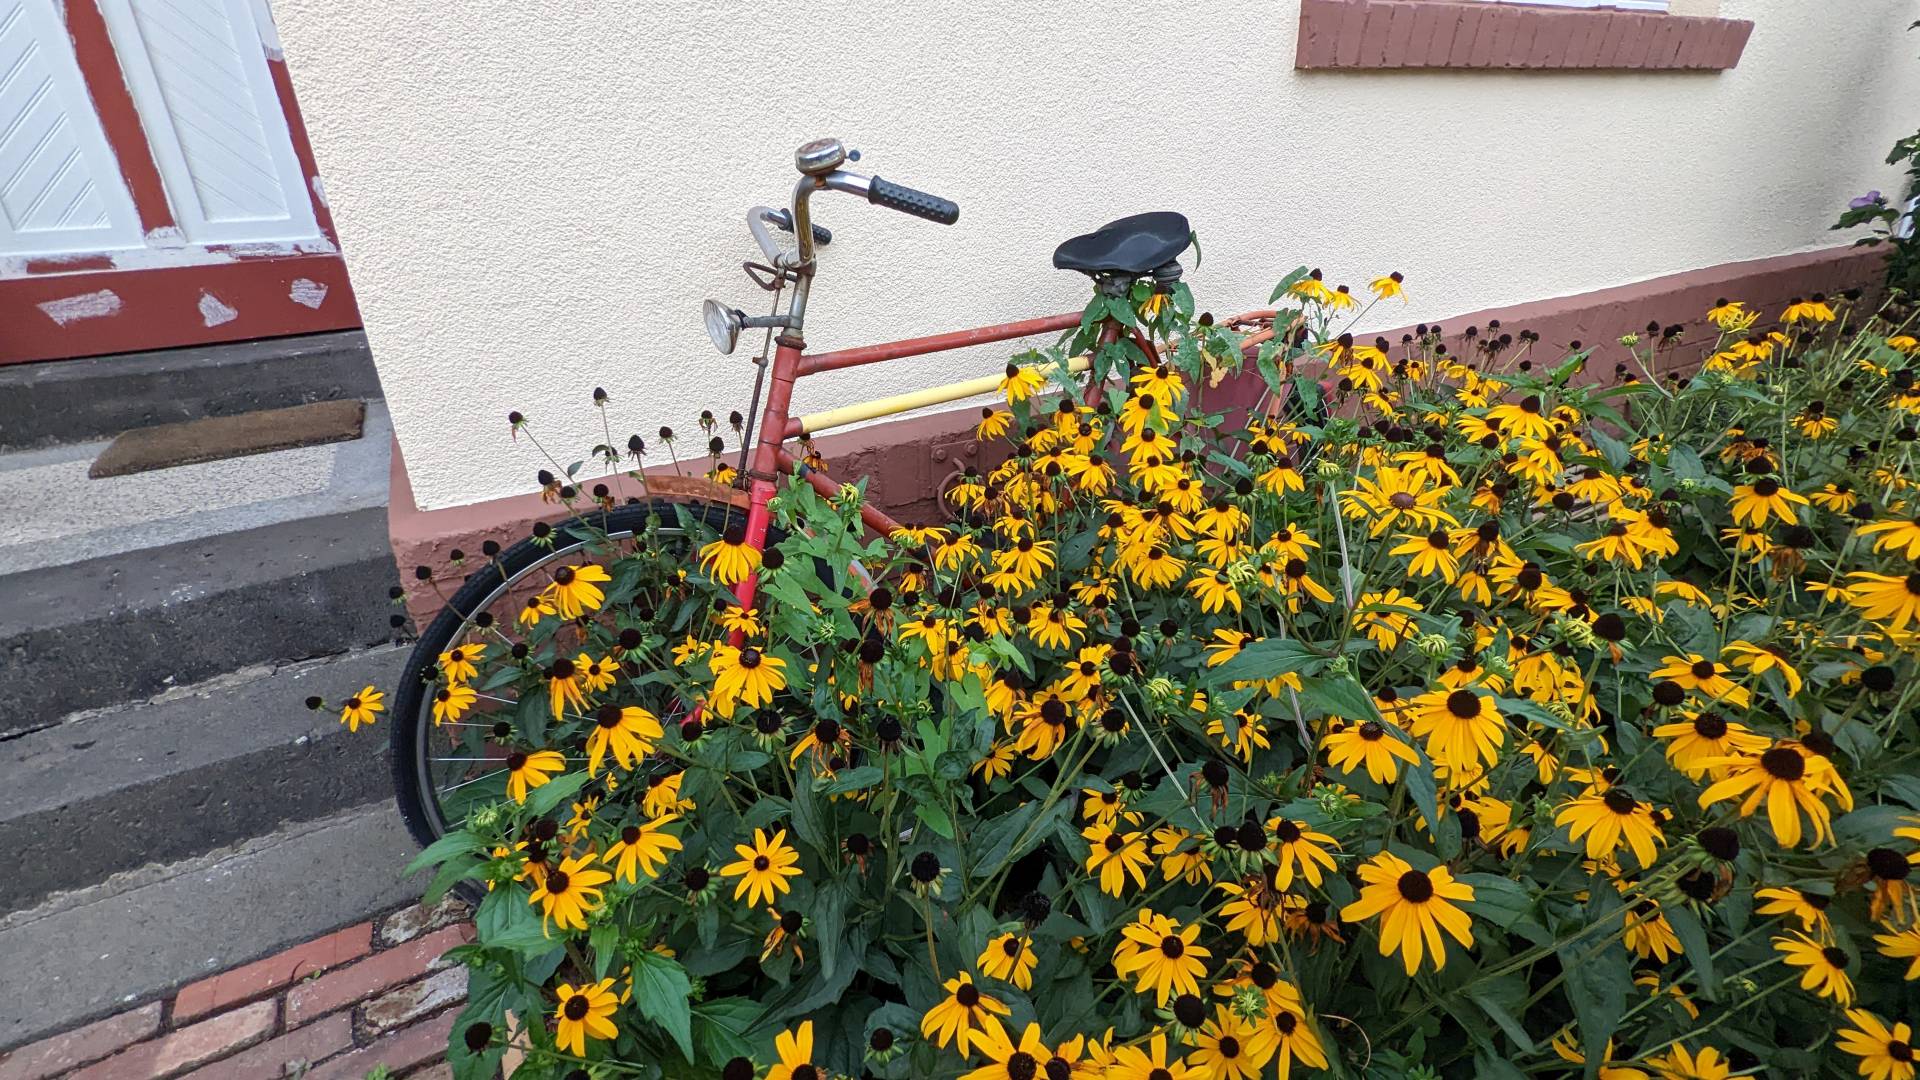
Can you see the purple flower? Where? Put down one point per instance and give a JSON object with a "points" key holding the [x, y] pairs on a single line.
{"points": [[1871, 198]]}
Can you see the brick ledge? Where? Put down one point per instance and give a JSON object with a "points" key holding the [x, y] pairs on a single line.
{"points": [[1389, 34]]}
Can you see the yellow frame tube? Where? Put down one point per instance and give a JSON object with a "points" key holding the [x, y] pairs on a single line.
{"points": [[814, 423]]}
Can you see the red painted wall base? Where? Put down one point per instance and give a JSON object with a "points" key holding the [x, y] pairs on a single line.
{"points": [[907, 461]]}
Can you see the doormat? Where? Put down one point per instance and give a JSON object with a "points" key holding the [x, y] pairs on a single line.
{"points": [[217, 437]]}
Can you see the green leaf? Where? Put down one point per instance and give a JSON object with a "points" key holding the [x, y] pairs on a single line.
{"points": [[935, 817], [720, 1028], [548, 796], [1694, 946], [1288, 282], [445, 848], [1506, 904], [1012, 835], [829, 912], [1498, 999], [1599, 982], [1269, 658], [1492, 1068], [1685, 464], [662, 994], [451, 874]]}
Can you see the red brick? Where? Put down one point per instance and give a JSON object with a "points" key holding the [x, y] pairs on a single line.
{"points": [[1742, 30], [1618, 23], [1553, 41], [1496, 26], [1513, 52], [252, 980], [285, 1056], [404, 1049], [1400, 35], [397, 1008], [1353, 24], [1319, 30], [195, 1044], [1432, 37], [1373, 39], [372, 975], [72, 1049]]}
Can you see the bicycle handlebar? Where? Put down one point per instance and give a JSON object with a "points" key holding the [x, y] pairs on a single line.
{"points": [[910, 201]]}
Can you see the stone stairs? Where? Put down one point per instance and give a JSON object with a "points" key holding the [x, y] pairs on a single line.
{"points": [[172, 808]]}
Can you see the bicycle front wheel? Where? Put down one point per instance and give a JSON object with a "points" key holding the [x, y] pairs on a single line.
{"points": [[444, 767]]}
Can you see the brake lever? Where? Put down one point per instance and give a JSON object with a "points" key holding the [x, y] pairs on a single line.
{"points": [[783, 220]]}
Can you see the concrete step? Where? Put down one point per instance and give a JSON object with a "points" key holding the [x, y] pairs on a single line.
{"points": [[135, 936], [130, 626], [194, 769], [66, 401]]}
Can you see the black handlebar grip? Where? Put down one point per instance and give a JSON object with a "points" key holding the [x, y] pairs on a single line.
{"points": [[918, 203]]}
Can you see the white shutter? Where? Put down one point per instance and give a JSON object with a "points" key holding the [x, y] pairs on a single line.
{"points": [[199, 77], [60, 185]]}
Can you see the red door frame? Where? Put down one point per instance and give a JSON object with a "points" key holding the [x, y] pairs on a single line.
{"points": [[180, 294]]}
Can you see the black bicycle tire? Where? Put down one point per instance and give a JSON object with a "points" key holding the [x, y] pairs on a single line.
{"points": [[410, 697]]}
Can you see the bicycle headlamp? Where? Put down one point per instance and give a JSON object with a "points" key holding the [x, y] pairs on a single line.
{"points": [[723, 325]]}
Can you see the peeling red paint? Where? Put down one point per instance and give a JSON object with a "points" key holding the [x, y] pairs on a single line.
{"points": [[179, 294], [162, 308]]}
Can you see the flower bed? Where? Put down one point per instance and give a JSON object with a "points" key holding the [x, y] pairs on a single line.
{"points": [[1533, 714]]}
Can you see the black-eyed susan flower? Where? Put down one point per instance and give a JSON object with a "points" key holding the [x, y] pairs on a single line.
{"points": [[1161, 956], [1679, 1063], [584, 1012], [570, 892], [1763, 500], [962, 1018], [795, 1052], [460, 664], [1893, 600], [1299, 850], [1116, 855], [450, 703], [1808, 907], [1825, 966], [1885, 1052], [1395, 497], [643, 849], [1610, 820], [1027, 1057], [1415, 907], [763, 868], [1386, 288], [1020, 383], [575, 590], [1149, 1061], [1789, 782], [1460, 729], [362, 708], [1705, 677], [729, 559], [527, 770], [744, 677], [1231, 1047], [1009, 958], [628, 731]]}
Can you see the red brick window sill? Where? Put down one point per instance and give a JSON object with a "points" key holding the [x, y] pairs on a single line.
{"points": [[1383, 34]]}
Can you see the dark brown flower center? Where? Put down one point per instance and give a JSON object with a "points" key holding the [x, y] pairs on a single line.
{"points": [[1619, 802], [576, 1007], [1415, 887], [760, 862], [1463, 704], [1372, 731], [1710, 725], [1784, 763], [1702, 669], [1172, 947], [1400, 500]]}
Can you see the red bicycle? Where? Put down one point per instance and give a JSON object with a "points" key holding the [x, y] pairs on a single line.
{"points": [[445, 768]]}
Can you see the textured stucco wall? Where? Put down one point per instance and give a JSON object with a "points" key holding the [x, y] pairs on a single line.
{"points": [[534, 198]]}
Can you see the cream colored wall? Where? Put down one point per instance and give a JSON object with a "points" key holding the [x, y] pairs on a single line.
{"points": [[535, 198]]}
